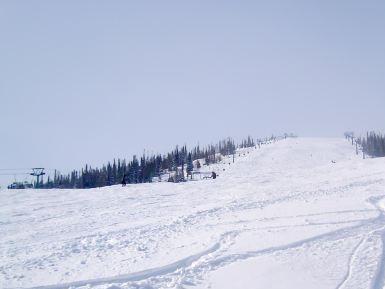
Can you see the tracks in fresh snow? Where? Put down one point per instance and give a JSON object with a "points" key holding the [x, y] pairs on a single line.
{"points": [[178, 266], [352, 258], [363, 268], [367, 269], [141, 275], [190, 270], [379, 281]]}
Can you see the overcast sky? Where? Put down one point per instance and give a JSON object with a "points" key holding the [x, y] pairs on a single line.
{"points": [[87, 81]]}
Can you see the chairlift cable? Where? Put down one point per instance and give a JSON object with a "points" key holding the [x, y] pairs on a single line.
{"points": [[20, 169], [13, 174]]}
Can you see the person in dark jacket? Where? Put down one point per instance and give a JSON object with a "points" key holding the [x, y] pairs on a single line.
{"points": [[124, 181], [213, 175]]}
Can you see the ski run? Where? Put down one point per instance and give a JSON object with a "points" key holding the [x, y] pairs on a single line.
{"points": [[303, 213]]}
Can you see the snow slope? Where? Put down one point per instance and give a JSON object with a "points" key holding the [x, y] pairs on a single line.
{"points": [[283, 216]]}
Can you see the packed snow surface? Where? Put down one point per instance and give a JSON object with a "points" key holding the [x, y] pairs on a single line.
{"points": [[298, 213]]}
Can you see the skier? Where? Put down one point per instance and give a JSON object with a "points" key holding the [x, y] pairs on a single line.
{"points": [[213, 175], [124, 181]]}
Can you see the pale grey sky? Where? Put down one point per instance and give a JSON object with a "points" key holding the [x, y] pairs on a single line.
{"points": [[87, 81]]}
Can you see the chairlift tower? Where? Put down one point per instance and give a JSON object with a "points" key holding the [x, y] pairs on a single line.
{"points": [[37, 172]]}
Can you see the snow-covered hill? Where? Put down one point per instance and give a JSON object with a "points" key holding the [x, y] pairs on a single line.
{"points": [[283, 216]]}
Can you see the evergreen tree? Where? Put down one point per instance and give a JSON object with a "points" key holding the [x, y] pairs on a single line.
{"points": [[190, 165]]}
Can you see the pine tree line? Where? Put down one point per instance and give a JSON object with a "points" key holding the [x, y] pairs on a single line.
{"points": [[145, 168], [373, 144], [248, 142]]}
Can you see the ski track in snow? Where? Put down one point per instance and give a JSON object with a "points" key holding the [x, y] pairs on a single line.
{"points": [[193, 266], [355, 258], [239, 214]]}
